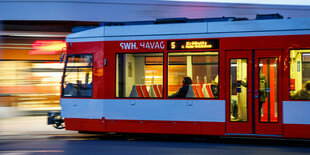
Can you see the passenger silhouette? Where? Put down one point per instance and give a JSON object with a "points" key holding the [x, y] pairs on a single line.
{"points": [[303, 93], [184, 89]]}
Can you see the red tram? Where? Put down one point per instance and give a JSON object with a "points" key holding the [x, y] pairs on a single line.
{"points": [[248, 78]]}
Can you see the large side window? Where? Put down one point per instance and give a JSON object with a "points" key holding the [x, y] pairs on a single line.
{"points": [[300, 74], [193, 75], [78, 77], [139, 75]]}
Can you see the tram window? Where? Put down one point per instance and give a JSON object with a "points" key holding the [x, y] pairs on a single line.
{"points": [[78, 76], [139, 75], [238, 90], [193, 75], [79, 61], [268, 92], [300, 74]]}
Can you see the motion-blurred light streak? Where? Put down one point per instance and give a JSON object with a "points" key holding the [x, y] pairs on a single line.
{"points": [[46, 47], [265, 2]]}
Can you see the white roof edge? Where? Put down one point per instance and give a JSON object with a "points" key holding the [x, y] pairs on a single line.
{"points": [[145, 32], [194, 36], [260, 25], [97, 32]]}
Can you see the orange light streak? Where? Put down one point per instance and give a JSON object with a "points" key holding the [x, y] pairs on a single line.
{"points": [[48, 47]]}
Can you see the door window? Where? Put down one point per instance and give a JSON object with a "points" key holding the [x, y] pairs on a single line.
{"points": [[238, 90], [268, 89]]}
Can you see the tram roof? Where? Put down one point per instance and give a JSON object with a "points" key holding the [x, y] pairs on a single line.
{"points": [[196, 28]]}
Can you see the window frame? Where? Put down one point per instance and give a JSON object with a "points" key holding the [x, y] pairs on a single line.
{"points": [[195, 51], [77, 67], [289, 76], [163, 74]]}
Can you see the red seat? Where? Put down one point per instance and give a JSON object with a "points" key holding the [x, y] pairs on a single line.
{"points": [[192, 91], [195, 90], [207, 91], [160, 88], [199, 89], [155, 88], [139, 90], [144, 91]]}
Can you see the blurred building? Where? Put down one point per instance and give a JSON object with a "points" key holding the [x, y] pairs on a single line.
{"points": [[30, 71], [30, 80]]}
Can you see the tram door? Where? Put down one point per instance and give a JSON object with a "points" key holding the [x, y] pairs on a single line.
{"points": [[252, 92]]}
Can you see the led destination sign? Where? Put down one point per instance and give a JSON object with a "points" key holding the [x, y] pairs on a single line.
{"points": [[193, 44]]}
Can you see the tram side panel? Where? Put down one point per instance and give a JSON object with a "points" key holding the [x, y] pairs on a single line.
{"points": [[156, 115], [106, 113]]}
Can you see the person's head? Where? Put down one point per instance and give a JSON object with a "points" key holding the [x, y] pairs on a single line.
{"points": [[187, 81], [307, 85]]}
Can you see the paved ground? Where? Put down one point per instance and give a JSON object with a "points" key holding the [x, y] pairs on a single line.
{"points": [[30, 135], [27, 125]]}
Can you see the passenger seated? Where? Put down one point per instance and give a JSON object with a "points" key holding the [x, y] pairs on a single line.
{"points": [[87, 86], [303, 93], [86, 89], [90, 85], [183, 90], [70, 90]]}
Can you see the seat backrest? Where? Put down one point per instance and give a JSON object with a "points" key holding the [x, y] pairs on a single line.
{"points": [[144, 91], [154, 92], [136, 91], [199, 90], [207, 91], [195, 90], [192, 91], [160, 89], [139, 90]]}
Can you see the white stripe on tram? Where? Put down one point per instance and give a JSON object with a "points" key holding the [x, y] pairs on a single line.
{"points": [[136, 109]]}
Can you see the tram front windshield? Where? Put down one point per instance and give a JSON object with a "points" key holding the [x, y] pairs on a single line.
{"points": [[77, 80]]}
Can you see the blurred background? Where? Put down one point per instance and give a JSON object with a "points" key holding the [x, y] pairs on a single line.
{"points": [[32, 37]]}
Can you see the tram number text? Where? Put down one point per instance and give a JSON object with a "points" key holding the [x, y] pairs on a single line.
{"points": [[145, 45]]}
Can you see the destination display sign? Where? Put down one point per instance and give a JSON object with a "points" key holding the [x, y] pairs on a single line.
{"points": [[193, 44]]}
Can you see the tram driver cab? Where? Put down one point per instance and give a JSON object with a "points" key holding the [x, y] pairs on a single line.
{"points": [[78, 76]]}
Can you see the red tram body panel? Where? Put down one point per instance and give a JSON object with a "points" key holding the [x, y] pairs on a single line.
{"points": [[248, 78]]}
